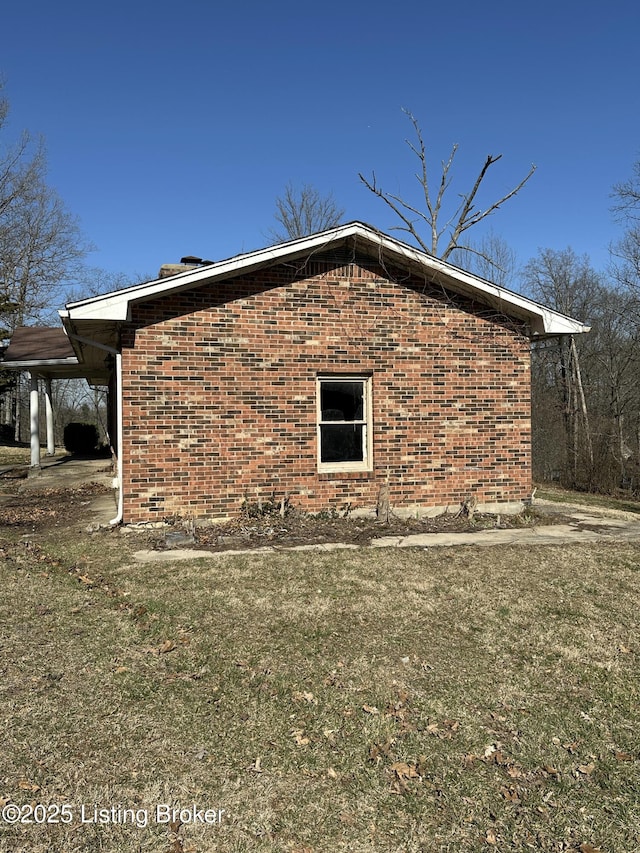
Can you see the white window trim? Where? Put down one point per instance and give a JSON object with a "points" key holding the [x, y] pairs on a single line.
{"points": [[367, 463]]}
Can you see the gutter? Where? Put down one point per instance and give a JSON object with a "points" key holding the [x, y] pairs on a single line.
{"points": [[120, 512]]}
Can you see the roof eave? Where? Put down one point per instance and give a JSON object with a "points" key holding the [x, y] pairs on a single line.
{"points": [[116, 307], [33, 364]]}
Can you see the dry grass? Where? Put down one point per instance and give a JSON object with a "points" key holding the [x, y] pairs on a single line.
{"points": [[15, 454], [441, 700], [566, 496]]}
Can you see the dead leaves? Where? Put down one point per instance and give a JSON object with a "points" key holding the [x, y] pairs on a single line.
{"points": [[48, 507], [378, 751], [570, 747], [304, 696], [300, 737], [444, 730], [330, 735], [510, 794], [406, 773], [165, 647], [623, 756], [25, 785]]}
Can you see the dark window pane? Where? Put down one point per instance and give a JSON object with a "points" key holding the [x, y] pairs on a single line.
{"points": [[342, 401], [341, 443]]}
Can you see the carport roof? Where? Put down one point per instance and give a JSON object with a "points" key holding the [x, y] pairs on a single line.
{"points": [[43, 351]]}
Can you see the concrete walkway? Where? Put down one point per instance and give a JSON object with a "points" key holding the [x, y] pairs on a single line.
{"points": [[63, 471], [67, 471]]}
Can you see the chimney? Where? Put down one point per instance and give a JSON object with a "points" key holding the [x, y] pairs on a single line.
{"points": [[189, 262]]}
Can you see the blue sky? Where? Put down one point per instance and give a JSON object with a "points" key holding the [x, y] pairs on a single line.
{"points": [[172, 128]]}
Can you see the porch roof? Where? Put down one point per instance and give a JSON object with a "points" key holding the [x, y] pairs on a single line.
{"points": [[47, 353]]}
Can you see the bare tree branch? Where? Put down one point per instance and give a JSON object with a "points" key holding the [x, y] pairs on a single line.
{"points": [[303, 212], [466, 215], [40, 242], [395, 204], [626, 252], [627, 194]]}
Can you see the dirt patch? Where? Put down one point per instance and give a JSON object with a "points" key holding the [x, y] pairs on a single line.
{"points": [[298, 529], [57, 507]]}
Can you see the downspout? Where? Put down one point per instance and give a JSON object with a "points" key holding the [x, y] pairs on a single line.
{"points": [[48, 402], [120, 512]]}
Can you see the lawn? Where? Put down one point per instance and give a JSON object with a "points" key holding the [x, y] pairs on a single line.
{"points": [[371, 700], [561, 495], [15, 454]]}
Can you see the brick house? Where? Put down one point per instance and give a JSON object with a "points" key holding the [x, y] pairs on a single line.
{"points": [[325, 371]]}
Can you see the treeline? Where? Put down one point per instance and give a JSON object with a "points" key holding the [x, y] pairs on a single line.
{"points": [[73, 401], [585, 389]]}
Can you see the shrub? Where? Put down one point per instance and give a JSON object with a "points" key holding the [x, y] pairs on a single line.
{"points": [[80, 438]]}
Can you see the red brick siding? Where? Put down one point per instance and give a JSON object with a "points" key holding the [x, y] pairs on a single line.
{"points": [[219, 394]]}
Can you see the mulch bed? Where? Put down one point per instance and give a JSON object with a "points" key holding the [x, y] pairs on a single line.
{"points": [[299, 529]]}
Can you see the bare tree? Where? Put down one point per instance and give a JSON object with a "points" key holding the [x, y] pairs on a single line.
{"points": [[568, 284], [41, 245], [40, 248], [491, 258], [94, 281], [304, 211], [430, 211], [627, 194], [20, 163], [626, 209]]}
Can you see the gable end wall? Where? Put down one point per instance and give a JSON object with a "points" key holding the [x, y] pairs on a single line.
{"points": [[219, 395]]}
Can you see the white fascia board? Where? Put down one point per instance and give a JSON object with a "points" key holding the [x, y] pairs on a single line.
{"points": [[71, 361], [117, 306], [550, 322]]}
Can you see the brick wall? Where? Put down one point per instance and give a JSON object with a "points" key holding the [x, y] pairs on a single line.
{"points": [[219, 393]]}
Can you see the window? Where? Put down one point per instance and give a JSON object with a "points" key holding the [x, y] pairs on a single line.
{"points": [[344, 423]]}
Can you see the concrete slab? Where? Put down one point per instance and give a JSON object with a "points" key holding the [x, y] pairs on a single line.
{"points": [[101, 510], [67, 471], [558, 534], [587, 524], [64, 471]]}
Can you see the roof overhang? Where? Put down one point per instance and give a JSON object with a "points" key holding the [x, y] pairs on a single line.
{"points": [[99, 317], [47, 353]]}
